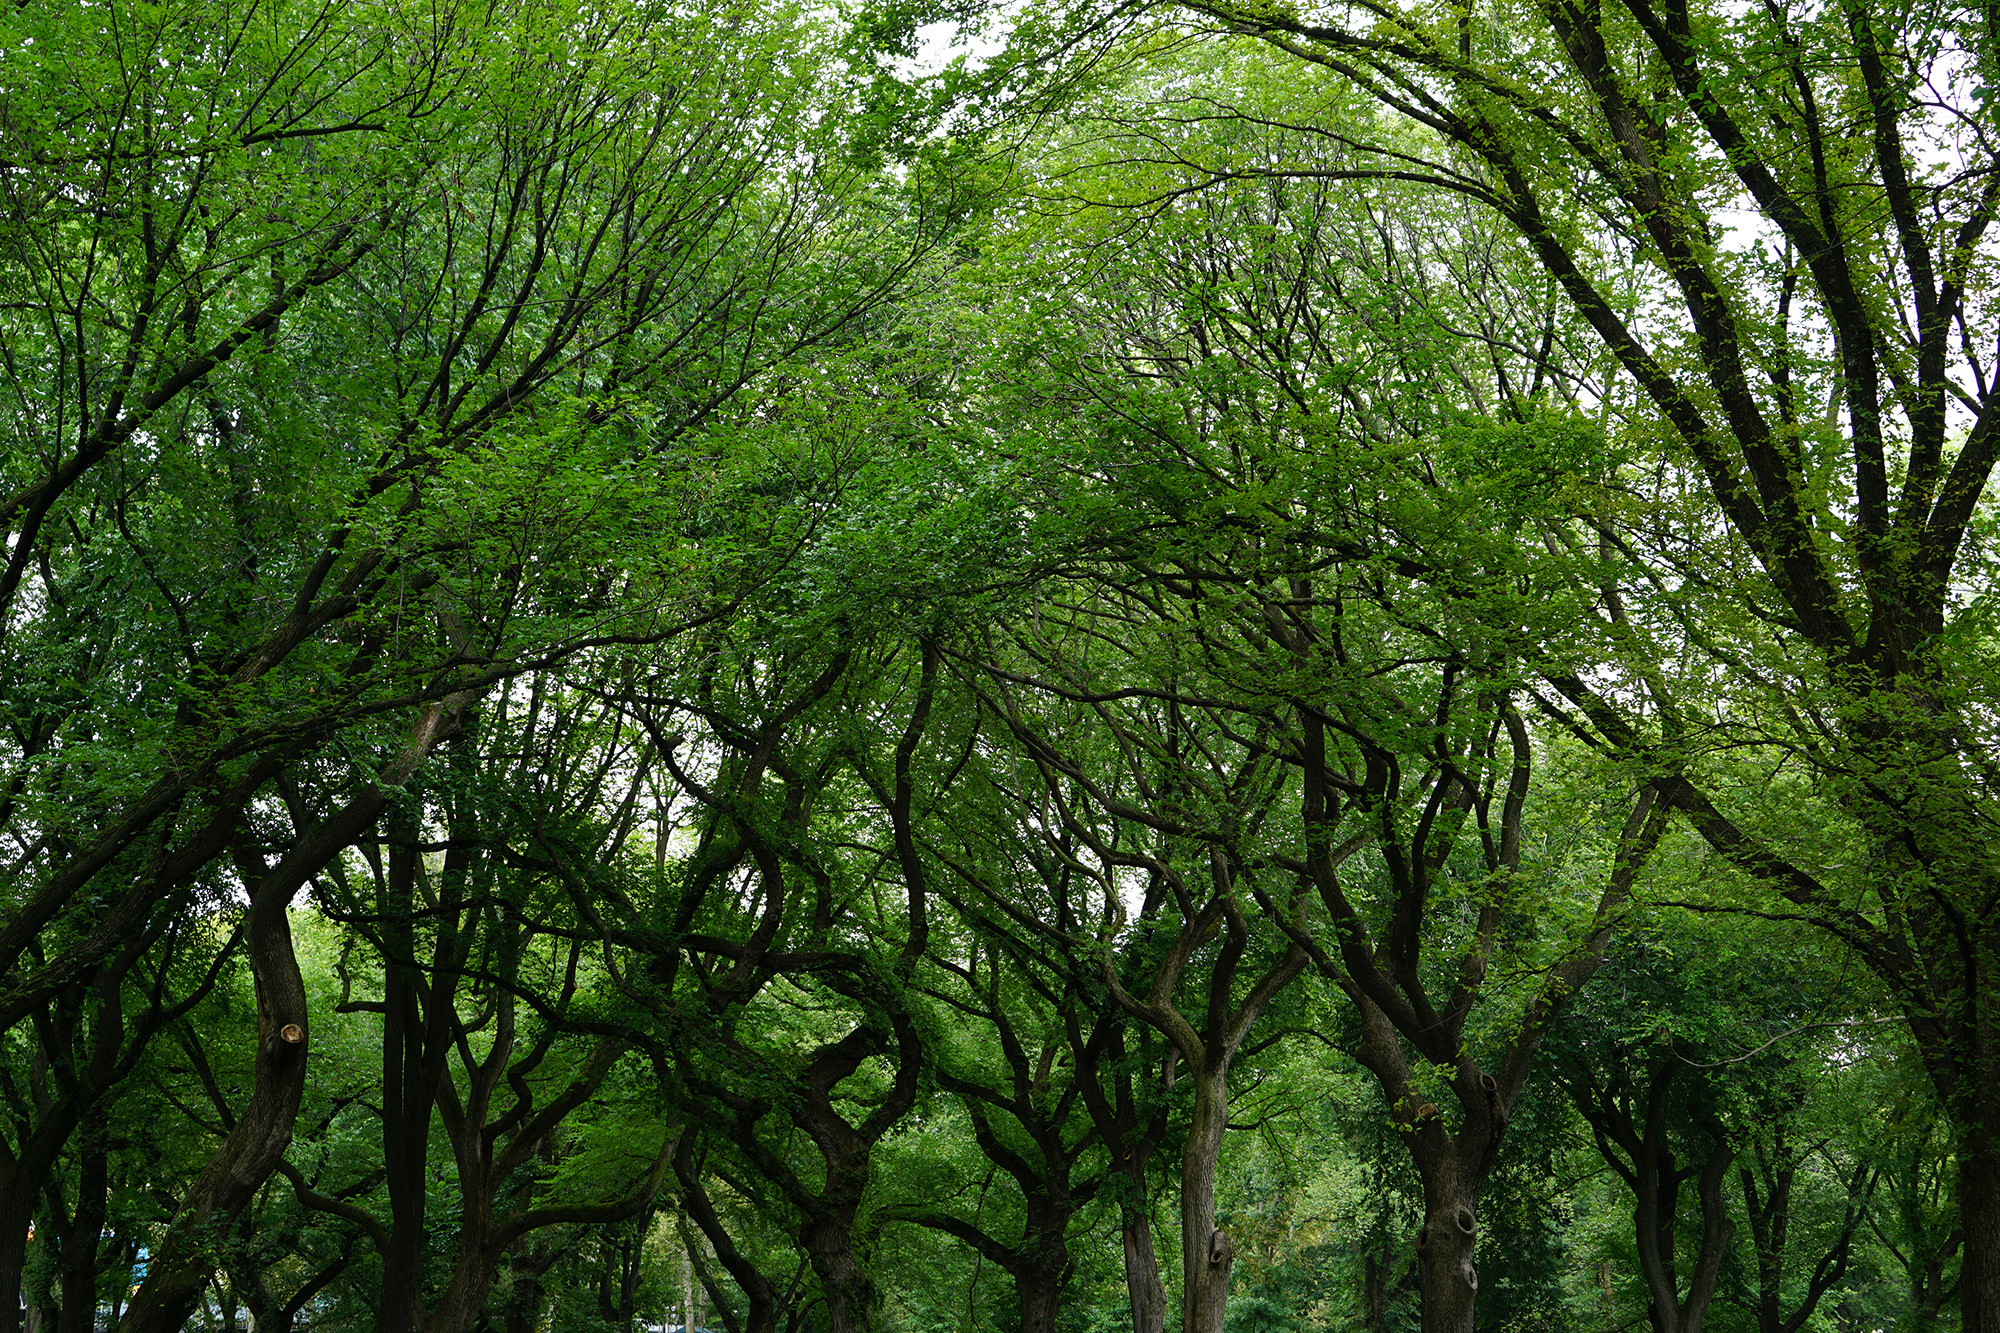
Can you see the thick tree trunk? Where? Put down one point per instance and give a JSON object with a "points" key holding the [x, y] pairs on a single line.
{"points": [[1102, 1059], [14, 1219], [82, 1236], [1040, 1264], [464, 1297], [1143, 1287], [1447, 1280], [1375, 1271], [1207, 1253], [1979, 1220], [849, 1290], [528, 1293], [1038, 1291]]}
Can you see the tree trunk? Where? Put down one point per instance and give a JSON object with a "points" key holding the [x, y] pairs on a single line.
{"points": [[528, 1293], [1206, 1251], [1038, 1291], [81, 1238], [184, 1261], [471, 1278], [1143, 1287], [22, 1179], [14, 1218], [1118, 1123], [759, 1293], [1979, 1220], [1653, 1229], [1447, 1281], [1375, 1272], [415, 1047], [849, 1291]]}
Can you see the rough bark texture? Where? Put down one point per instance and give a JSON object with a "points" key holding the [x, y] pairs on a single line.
{"points": [[1144, 1289], [1447, 1280], [1979, 1220], [81, 1237], [1207, 1254]]}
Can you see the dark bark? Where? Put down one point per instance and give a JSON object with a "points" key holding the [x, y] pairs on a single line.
{"points": [[527, 1292], [1398, 1016], [417, 1047], [180, 1267], [81, 1239], [85, 1047], [1025, 1086], [1869, 582], [1767, 1184], [22, 1175], [1143, 1285], [618, 1279], [1207, 1253], [1979, 1218], [1447, 1280], [489, 1148], [1633, 1127], [187, 1256], [760, 809], [759, 1292]]}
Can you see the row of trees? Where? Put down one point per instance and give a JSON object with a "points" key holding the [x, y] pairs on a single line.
{"points": [[628, 634]]}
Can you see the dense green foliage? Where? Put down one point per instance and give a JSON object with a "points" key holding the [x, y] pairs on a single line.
{"points": [[1235, 666]]}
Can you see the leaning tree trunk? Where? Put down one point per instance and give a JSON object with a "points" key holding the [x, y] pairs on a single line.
{"points": [[183, 1263], [759, 1293]]}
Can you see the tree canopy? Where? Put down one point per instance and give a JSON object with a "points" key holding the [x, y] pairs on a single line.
{"points": [[1222, 666]]}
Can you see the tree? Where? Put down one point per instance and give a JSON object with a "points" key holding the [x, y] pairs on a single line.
{"points": [[357, 387], [1815, 412], [1307, 554]]}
